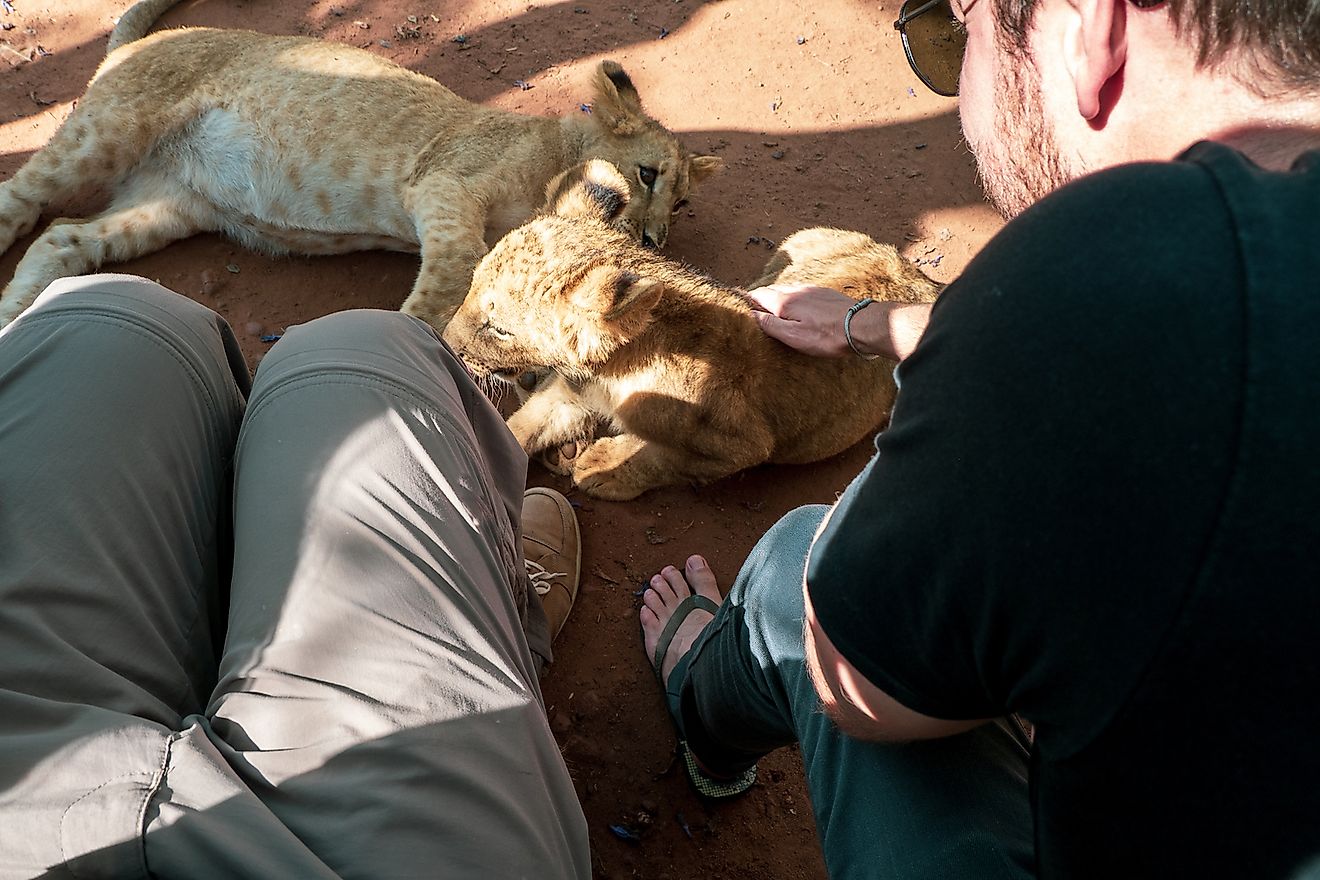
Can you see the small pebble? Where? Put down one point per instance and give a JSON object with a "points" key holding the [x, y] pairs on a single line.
{"points": [[801, 40], [777, 154], [587, 703], [561, 723]]}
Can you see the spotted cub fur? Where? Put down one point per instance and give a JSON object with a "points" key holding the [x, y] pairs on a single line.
{"points": [[666, 372], [295, 145]]}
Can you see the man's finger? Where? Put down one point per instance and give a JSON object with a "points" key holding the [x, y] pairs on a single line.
{"points": [[776, 327], [771, 325], [770, 299]]}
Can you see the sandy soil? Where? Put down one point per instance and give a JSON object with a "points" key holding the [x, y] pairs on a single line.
{"points": [[821, 123]]}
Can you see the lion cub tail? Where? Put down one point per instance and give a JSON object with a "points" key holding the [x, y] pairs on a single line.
{"points": [[134, 24]]}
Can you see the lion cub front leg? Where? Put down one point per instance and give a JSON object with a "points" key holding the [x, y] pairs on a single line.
{"points": [[450, 228], [552, 416]]}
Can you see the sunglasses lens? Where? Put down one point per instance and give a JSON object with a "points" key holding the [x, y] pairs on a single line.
{"points": [[936, 39]]}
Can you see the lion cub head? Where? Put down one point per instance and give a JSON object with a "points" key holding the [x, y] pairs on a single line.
{"points": [[657, 171], [566, 289]]}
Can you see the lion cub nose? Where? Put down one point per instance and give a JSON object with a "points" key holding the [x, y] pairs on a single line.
{"points": [[649, 241]]}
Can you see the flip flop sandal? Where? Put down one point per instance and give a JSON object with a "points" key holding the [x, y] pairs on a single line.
{"points": [[706, 785]]}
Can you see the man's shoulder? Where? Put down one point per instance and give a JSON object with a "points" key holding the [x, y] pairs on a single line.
{"points": [[1151, 210], [1141, 238]]}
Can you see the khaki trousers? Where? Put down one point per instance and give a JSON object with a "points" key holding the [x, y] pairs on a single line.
{"points": [[263, 635]]}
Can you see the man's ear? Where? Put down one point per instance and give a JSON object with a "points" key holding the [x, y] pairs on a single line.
{"points": [[595, 190], [616, 104], [1097, 50], [701, 167]]}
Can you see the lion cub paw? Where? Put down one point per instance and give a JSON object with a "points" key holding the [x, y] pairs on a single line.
{"points": [[604, 470]]}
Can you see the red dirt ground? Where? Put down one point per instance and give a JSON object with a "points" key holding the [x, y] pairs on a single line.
{"points": [[821, 123]]}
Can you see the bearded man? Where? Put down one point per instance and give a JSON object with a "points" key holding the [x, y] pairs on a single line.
{"points": [[1097, 505]]}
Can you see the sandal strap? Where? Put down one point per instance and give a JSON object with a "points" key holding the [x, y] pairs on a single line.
{"points": [[686, 607], [711, 787]]}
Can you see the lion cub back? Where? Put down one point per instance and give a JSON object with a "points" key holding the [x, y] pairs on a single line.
{"points": [[850, 262]]}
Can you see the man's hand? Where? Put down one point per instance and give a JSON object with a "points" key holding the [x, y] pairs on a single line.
{"points": [[810, 319]]}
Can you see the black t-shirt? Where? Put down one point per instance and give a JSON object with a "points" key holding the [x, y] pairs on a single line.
{"points": [[1098, 505]]}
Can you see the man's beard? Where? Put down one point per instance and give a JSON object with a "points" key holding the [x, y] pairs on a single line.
{"points": [[1021, 163]]}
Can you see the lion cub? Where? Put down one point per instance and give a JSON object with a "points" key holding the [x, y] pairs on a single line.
{"points": [[294, 145], [665, 368]]}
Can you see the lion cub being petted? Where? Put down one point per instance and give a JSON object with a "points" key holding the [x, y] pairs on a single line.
{"points": [[666, 371], [295, 145]]}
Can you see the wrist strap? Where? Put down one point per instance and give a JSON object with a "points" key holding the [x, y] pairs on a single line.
{"points": [[847, 327]]}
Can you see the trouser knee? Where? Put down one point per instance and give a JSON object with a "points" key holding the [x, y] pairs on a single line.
{"points": [[769, 586], [399, 344], [114, 312]]}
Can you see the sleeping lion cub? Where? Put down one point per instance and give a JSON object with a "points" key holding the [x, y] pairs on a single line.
{"points": [[664, 370], [294, 145]]}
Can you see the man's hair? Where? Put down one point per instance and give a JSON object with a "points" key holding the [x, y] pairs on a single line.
{"points": [[1278, 40]]}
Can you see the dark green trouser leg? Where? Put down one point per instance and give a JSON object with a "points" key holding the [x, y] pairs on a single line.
{"points": [[954, 807]]}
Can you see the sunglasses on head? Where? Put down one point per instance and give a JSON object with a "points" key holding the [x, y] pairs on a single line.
{"points": [[933, 40]]}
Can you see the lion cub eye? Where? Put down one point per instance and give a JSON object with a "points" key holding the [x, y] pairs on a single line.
{"points": [[647, 176]]}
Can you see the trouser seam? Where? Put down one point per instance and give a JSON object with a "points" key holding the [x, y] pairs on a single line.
{"points": [[139, 830], [152, 790]]}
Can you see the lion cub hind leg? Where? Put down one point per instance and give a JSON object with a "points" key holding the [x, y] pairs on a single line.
{"points": [[621, 468], [93, 149], [143, 219]]}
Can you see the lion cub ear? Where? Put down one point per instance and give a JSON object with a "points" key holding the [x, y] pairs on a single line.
{"points": [[616, 296], [595, 190], [616, 104], [633, 296], [701, 167]]}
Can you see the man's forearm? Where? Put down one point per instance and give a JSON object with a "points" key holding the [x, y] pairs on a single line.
{"points": [[891, 330]]}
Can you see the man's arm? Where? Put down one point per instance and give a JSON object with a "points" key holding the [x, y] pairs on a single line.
{"points": [[860, 709], [810, 319]]}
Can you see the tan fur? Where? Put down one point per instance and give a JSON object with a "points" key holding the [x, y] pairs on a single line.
{"points": [[290, 144], [667, 370]]}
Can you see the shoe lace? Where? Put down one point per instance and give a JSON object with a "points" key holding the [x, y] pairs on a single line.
{"points": [[541, 577]]}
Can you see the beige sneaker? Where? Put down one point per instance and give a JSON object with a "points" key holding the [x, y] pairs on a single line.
{"points": [[552, 547]]}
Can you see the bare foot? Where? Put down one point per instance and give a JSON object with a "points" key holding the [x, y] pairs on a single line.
{"points": [[667, 590]]}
